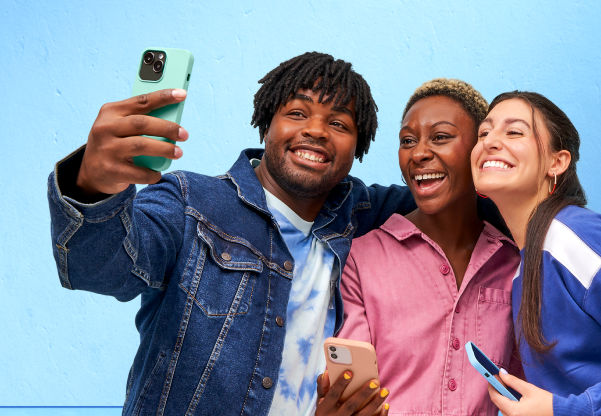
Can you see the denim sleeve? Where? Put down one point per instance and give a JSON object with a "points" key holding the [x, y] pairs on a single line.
{"points": [[381, 202], [587, 403], [118, 246]]}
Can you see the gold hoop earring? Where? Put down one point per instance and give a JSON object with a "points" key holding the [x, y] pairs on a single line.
{"points": [[554, 184]]}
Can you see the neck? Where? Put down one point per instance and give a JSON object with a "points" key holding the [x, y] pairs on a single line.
{"points": [[306, 208], [516, 212], [455, 227]]}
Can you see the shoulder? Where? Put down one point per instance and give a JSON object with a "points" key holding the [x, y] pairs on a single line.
{"points": [[394, 230], [574, 240]]}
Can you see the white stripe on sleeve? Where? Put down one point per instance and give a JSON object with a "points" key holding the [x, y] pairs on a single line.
{"points": [[575, 255]]}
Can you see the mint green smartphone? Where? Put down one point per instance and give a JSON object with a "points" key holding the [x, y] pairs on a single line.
{"points": [[162, 68]]}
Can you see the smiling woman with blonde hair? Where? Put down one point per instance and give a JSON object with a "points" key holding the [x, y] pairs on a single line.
{"points": [[421, 286]]}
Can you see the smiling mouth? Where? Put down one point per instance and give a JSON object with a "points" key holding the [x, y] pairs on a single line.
{"points": [[428, 179], [496, 164], [311, 156]]}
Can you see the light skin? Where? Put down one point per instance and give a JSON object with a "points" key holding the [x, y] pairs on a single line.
{"points": [[508, 167], [436, 138]]}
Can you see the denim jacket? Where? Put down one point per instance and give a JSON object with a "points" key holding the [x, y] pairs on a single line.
{"points": [[214, 274]]}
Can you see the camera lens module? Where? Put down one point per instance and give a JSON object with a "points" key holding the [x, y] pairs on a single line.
{"points": [[148, 58], [334, 356], [157, 66], [332, 348]]}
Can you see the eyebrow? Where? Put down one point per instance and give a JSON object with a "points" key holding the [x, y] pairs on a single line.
{"points": [[433, 125], [508, 121], [337, 109]]}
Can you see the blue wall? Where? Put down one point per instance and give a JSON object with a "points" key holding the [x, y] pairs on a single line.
{"points": [[61, 60]]}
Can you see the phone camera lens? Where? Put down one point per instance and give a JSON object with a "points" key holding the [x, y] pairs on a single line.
{"points": [[332, 348], [157, 66], [148, 58], [334, 356]]}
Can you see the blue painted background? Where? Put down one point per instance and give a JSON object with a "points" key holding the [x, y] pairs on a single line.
{"points": [[61, 60]]}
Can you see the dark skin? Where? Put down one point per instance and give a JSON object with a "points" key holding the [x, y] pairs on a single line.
{"points": [[311, 145], [309, 148], [116, 137], [436, 138]]}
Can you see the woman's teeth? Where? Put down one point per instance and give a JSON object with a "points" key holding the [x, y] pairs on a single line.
{"points": [[495, 164], [429, 176], [310, 156]]}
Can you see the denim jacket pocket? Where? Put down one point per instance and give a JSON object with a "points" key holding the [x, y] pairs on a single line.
{"points": [[494, 326], [224, 271]]}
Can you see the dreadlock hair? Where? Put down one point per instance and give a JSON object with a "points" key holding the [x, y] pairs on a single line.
{"points": [[334, 79], [471, 100], [562, 136]]}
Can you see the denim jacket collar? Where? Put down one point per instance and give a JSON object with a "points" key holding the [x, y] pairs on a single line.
{"points": [[251, 192]]}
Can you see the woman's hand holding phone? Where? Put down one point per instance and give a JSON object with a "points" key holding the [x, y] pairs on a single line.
{"points": [[534, 401], [118, 135], [364, 402]]}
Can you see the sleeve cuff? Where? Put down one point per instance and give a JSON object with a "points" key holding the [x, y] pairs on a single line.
{"points": [[572, 405], [62, 189]]}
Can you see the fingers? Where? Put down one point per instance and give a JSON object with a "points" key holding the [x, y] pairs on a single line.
{"points": [[359, 399], [137, 125], [333, 395], [145, 103], [515, 383], [503, 403], [376, 406], [139, 145], [323, 384]]}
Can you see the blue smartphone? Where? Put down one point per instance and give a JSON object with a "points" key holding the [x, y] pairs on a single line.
{"points": [[489, 370], [162, 68]]}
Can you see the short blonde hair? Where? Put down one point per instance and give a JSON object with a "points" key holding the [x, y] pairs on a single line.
{"points": [[472, 101]]}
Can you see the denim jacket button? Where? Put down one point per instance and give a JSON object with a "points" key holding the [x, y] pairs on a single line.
{"points": [[226, 256], [267, 382], [288, 265], [279, 320]]}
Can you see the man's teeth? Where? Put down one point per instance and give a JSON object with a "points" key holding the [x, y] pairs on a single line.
{"points": [[429, 176], [495, 164], [310, 156]]}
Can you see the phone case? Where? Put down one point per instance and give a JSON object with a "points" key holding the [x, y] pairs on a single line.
{"points": [[176, 74], [357, 356], [489, 370]]}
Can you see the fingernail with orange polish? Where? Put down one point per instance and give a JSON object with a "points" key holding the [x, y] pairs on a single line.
{"points": [[384, 392], [348, 375], [373, 385], [386, 406]]}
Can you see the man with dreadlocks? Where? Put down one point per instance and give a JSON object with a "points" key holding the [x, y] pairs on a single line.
{"points": [[239, 273]]}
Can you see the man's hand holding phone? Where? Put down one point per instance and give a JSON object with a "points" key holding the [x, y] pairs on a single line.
{"points": [[118, 135], [363, 402]]}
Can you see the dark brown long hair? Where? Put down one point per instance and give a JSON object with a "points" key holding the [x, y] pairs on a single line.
{"points": [[563, 136]]}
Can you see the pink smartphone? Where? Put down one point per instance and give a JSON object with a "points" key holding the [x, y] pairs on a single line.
{"points": [[357, 356]]}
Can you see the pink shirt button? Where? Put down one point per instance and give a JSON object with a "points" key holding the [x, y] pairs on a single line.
{"points": [[452, 384], [456, 343], [444, 269]]}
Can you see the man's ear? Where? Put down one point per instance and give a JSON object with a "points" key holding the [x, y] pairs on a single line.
{"points": [[560, 162]]}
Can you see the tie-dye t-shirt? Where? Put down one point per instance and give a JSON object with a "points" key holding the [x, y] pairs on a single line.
{"points": [[310, 316]]}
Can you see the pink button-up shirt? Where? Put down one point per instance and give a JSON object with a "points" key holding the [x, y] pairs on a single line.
{"points": [[400, 294]]}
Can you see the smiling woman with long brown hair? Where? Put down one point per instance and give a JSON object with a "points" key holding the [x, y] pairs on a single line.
{"points": [[525, 160]]}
